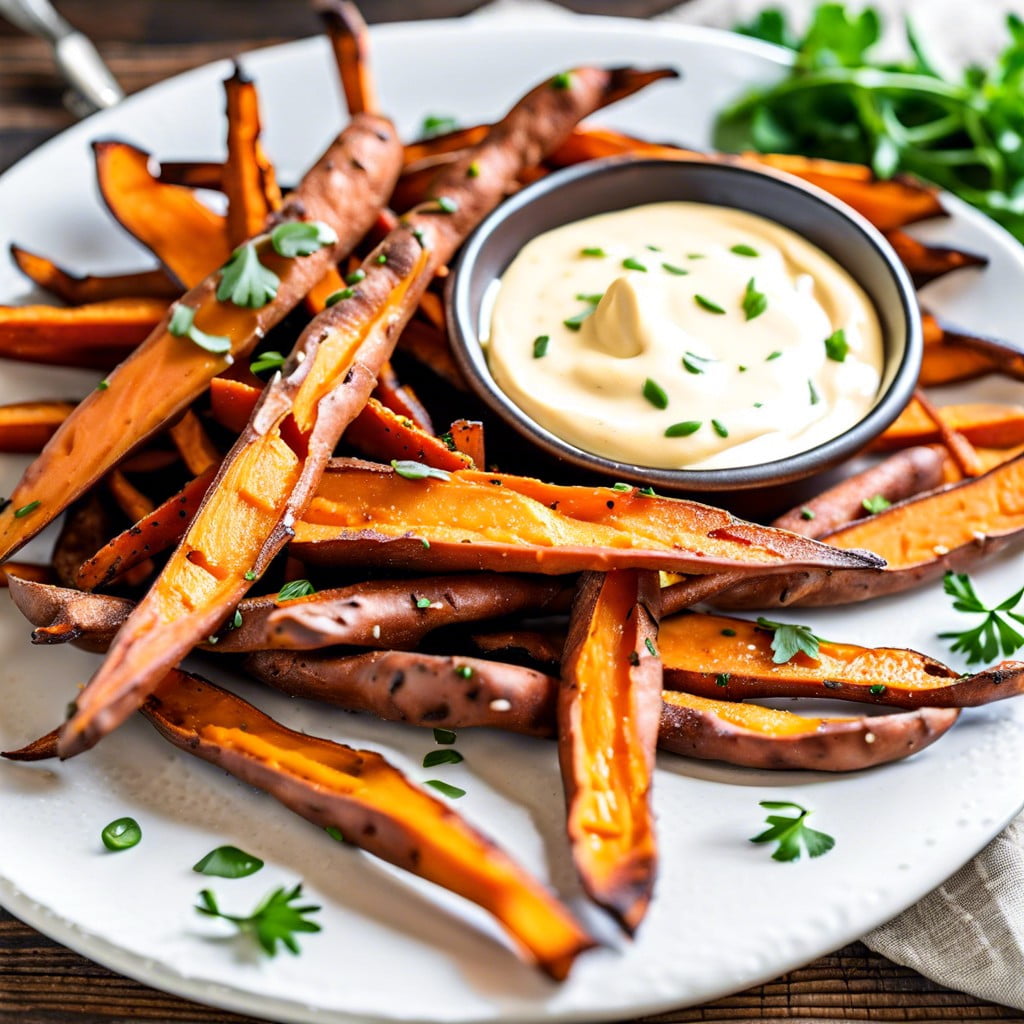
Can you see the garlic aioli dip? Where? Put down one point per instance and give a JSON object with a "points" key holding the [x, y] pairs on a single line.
{"points": [[684, 335]]}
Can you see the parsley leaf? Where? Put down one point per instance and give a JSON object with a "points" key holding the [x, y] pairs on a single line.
{"points": [[182, 325], [875, 504], [409, 470], [791, 833], [836, 346], [994, 633], [437, 124], [245, 282], [276, 918], [789, 640], [754, 302], [294, 589], [228, 862], [301, 237]]}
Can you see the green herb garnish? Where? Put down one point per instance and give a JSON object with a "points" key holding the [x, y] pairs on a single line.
{"points": [[267, 361], [446, 204], [465, 671], [694, 363], [651, 649], [25, 510], [339, 296], [302, 238], [807, 513], [245, 282], [473, 170], [409, 470], [121, 834], [744, 250], [574, 323], [772, 355], [684, 429], [276, 918], [647, 492], [228, 862], [423, 602], [877, 689], [444, 788], [728, 632], [436, 757], [789, 639], [720, 428], [722, 679], [633, 264], [437, 124], [813, 392], [356, 276], [655, 394], [294, 589], [994, 633], [706, 303], [594, 251], [182, 325], [875, 504], [792, 834], [103, 385], [540, 346], [836, 346], [446, 736], [754, 302], [621, 487], [562, 81], [250, 574], [335, 833], [671, 268]]}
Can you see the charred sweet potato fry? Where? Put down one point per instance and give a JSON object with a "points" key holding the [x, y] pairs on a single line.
{"points": [[350, 42], [62, 615], [76, 291], [724, 658], [129, 499], [472, 520], [609, 706], [383, 434], [248, 177], [429, 347], [952, 354], [88, 523], [921, 538], [373, 805], [194, 446], [206, 174], [31, 571], [188, 238], [468, 437], [925, 263], [908, 472], [166, 373], [93, 336], [986, 424], [759, 737], [265, 484], [26, 426], [394, 395]]}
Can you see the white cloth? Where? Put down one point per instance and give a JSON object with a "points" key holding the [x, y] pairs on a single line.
{"points": [[969, 933]]}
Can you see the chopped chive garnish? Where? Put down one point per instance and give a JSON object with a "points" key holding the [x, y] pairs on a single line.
{"points": [[593, 298], [720, 428], [250, 575], [877, 688], [335, 833], [574, 323], [236, 620], [754, 302], [540, 346], [409, 470], [423, 602], [684, 429], [103, 385], [382, 259], [671, 268], [836, 346], [633, 264], [773, 355], [695, 255], [621, 487], [437, 124], [267, 361], [706, 303], [813, 391], [446, 204], [436, 757], [562, 81], [473, 170], [759, 405], [875, 504], [446, 736], [26, 509], [744, 250], [655, 394], [694, 363], [651, 649], [121, 834], [452, 792], [345, 293], [807, 513], [741, 369], [728, 632], [647, 492], [593, 250], [653, 248], [356, 276], [465, 671], [722, 679]]}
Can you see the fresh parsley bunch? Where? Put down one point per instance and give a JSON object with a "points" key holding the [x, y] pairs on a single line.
{"points": [[965, 134], [983, 642]]}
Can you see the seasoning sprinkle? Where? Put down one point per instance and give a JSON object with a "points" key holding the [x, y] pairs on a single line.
{"points": [[446, 204]]}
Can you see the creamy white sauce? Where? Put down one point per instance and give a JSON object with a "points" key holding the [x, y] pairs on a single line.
{"points": [[766, 382]]}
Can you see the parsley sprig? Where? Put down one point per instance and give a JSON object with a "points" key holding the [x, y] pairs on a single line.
{"points": [[245, 281], [276, 918], [790, 639], [983, 642], [792, 834]]}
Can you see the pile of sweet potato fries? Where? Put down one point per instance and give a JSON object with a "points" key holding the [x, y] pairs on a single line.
{"points": [[206, 465]]}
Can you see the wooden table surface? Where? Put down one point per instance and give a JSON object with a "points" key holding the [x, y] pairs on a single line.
{"points": [[144, 41]]}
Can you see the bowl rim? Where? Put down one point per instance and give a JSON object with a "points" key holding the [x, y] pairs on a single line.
{"points": [[472, 360]]}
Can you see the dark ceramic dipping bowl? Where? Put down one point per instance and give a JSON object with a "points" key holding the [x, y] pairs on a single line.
{"points": [[616, 184]]}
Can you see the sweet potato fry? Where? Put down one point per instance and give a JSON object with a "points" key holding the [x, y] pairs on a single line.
{"points": [[383, 434], [188, 238], [192, 174], [374, 806], [164, 375], [264, 484], [26, 426], [350, 42], [152, 534], [473, 520], [77, 291], [984, 424], [609, 705], [922, 538], [93, 336], [429, 347], [926, 263], [248, 177], [394, 395], [468, 437], [737, 664], [87, 525], [961, 451], [194, 446], [543, 646], [31, 571], [899, 476], [129, 499], [952, 354]]}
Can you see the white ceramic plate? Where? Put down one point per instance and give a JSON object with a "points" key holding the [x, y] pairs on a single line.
{"points": [[392, 948]]}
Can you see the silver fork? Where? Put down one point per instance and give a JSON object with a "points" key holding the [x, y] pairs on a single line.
{"points": [[93, 87]]}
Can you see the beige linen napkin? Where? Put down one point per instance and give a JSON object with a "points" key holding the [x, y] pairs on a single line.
{"points": [[969, 933]]}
